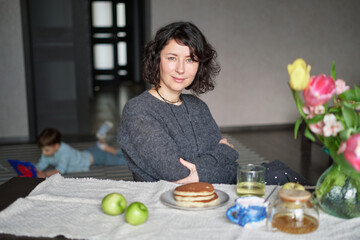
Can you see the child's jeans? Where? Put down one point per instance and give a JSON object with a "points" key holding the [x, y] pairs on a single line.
{"points": [[106, 159]]}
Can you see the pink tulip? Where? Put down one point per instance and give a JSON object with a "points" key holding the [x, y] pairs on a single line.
{"points": [[352, 152], [320, 90]]}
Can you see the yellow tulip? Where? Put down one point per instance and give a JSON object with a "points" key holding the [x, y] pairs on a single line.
{"points": [[299, 74]]}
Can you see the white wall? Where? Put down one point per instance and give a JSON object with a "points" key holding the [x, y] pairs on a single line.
{"points": [[256, 40], [13, 108]]}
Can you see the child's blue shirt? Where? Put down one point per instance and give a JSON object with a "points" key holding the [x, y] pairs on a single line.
{"points": [[66, 160]]}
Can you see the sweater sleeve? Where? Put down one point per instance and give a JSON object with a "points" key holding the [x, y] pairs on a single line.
{"points": [[218, 165], [216, 162]]}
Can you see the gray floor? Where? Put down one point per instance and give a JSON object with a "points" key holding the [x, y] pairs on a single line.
{"points": [[31, 153], [253, 146]]}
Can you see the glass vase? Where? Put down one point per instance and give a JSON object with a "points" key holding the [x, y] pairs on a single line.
{"points": [[338, 192]]}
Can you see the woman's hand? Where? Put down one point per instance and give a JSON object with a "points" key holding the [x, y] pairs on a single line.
{"points": [[225, 141], [193, 176]]}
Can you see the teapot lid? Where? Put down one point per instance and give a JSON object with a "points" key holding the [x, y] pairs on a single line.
{"points": [[293, 195]]}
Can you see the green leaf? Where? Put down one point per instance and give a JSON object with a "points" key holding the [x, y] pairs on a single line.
{"points": [[334, 110], [345, 134], [297, 126], [331, 144], [328, 182], [298, 103], [351, 94], [333, 72], [340, 160], [357, 93], [348, 95], [350, 116], [315, 119], [308, 134], [348, 105]]}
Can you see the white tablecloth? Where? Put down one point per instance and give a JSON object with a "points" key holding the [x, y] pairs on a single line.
{"points": [[72, 208]]}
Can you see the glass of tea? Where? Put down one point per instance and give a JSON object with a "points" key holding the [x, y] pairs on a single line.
{"points": [[250, 180]]}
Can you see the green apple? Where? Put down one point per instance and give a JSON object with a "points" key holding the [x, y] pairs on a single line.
{"points": [[136, 213], [292, 185], [113, 204]]}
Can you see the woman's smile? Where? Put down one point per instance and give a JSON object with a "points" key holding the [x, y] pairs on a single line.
{"points": [[178, 80]]}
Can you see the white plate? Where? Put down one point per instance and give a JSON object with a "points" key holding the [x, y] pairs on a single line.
{"points": [[167, 198]]}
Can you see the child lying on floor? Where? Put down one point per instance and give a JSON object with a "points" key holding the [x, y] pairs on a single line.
{"points": [[66, 159]]}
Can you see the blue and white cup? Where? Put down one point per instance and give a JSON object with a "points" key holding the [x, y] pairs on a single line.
{"points": [[249, 212]]}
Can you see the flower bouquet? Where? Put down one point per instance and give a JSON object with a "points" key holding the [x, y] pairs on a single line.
{"points": [[330, 111]]}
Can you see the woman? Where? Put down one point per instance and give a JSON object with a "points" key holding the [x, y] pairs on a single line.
{"points": [[168, 135]]}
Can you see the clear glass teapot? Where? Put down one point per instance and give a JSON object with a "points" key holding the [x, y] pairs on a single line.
{"points": [[293, 212]]}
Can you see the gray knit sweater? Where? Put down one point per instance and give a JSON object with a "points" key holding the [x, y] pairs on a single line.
{"points": [[154, 135]]}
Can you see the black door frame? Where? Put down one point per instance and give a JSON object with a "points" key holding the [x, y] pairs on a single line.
{"points": [[141, 13], [81, 57]]}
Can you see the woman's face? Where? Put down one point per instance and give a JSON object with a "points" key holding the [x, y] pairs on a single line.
{"points": [[177, 69]]}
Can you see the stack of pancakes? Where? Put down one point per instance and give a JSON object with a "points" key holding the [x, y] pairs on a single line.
{"points": [[198, 194]]}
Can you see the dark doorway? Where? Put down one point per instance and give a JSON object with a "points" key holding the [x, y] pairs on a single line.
{"points": [[117, 37], [65, 88], [59, 49]]}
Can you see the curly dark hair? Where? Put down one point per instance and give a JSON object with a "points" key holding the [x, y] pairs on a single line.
{"points": [[188, 34], [49, 137]]}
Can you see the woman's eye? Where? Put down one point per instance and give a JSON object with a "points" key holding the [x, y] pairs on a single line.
{"points": [[190, 60], [171, 58]]}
